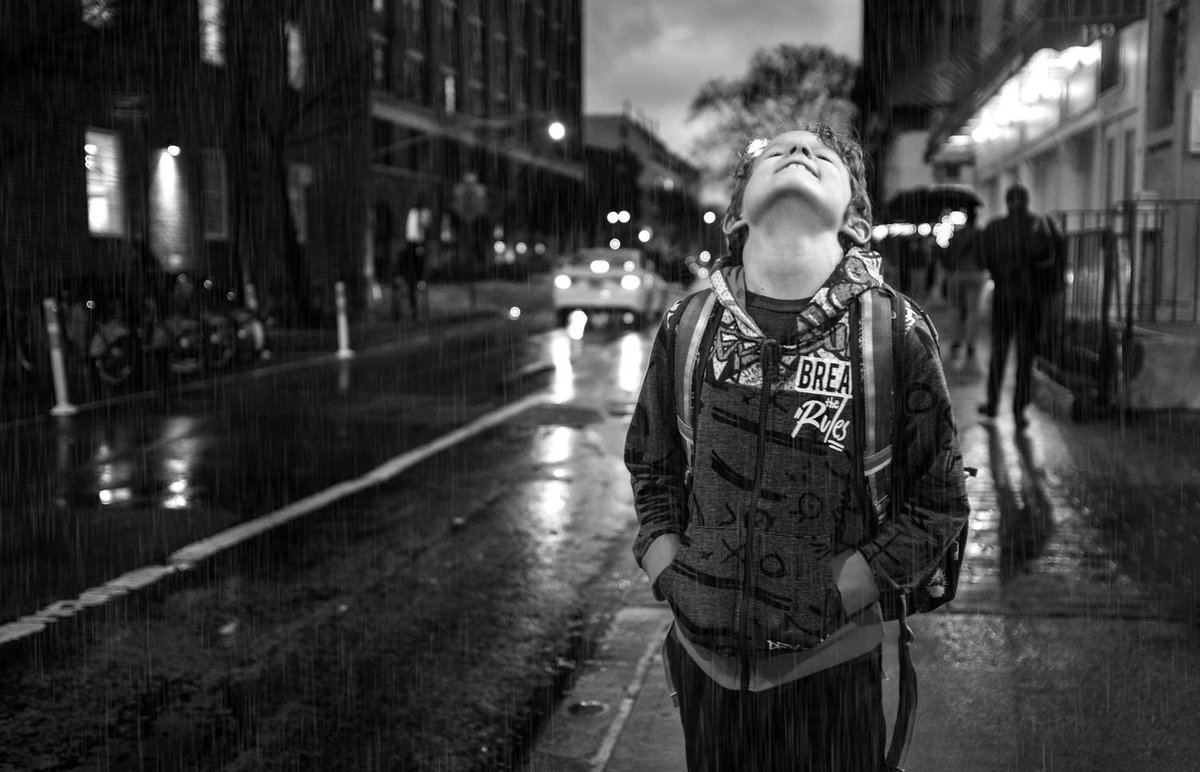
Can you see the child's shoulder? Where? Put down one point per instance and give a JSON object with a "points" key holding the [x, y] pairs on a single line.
{"points": [[918, 325]]}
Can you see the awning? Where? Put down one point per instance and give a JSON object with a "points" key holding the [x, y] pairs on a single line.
{"points": [[1053, 24]]}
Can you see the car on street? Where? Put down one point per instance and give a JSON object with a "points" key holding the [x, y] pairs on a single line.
{"points": [[601, 280]]}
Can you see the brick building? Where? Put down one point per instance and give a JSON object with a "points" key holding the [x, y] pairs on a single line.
{"points": [[489, 89], [228, 137]]}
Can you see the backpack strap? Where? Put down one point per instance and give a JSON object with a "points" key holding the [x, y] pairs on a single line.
{"points": [[882, 313], [882, 316], [689, 339]]}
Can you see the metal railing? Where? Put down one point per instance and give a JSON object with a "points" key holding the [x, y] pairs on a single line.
{"points": [[1137, 263]]}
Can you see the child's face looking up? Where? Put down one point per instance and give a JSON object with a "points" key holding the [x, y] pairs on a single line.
{"points": [[797, 169]]}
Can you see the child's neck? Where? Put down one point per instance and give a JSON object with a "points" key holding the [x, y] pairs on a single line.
{"points": [[790, 267]]}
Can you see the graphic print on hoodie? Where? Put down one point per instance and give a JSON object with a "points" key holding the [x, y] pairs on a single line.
{"points": [[773, 484]]}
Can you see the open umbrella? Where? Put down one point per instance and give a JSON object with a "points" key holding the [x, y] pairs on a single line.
{"points": [[929, 202]]}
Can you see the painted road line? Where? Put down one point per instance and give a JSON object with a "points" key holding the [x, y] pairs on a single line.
{"points": [[185, 558]]}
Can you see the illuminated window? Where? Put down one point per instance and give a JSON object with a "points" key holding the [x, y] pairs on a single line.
{"points": [[450, 91], [299, 180], [98, 13], [377, 5], [216, 192], [212, 31], [106, 206], [295, 55]]}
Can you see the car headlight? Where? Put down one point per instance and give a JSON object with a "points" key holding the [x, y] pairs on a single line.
{"points": [[630, 281], [562, 281]]}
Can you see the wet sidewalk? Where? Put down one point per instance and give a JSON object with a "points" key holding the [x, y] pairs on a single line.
{"points": [[1056, 655]]}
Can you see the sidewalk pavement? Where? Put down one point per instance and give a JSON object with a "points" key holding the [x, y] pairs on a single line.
{"points": [[1051, 657]]}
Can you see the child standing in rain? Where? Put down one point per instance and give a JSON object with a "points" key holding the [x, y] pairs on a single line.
{"points": [[766, 550]]}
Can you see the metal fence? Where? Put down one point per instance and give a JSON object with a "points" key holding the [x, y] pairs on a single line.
{"points": [[1135, 264]]}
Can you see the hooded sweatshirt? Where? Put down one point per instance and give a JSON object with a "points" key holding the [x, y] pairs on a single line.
{"points": [[776, 490]]}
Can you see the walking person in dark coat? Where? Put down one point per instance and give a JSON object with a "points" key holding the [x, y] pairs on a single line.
{"points": [[1024, 252]]}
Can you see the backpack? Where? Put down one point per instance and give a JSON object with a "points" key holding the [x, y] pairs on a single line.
{"points": [[880, 314], [1048, 250]]}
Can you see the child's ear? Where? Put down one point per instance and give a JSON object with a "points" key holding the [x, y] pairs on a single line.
{"points": [[731, 222], [857, 229]]}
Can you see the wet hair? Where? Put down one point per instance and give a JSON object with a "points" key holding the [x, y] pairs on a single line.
{"points": [[848, 150]]}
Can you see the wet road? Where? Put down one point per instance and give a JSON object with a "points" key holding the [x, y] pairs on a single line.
{"points": [[109, 490], [399, 626]]}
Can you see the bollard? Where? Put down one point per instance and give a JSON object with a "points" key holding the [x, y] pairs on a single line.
{"points": [[58, 368], [343, 323], [251, 297]]}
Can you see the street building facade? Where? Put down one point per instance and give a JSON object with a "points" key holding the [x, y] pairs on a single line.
{"points": [[1095, 108], [633, 171], [209, 138], [279, 148], [475, 133]]}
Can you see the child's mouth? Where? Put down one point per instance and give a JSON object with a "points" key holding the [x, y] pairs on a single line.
{"points": [[807, 168]]}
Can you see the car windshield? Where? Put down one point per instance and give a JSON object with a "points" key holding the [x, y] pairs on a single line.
{"points": [[616, 258]]}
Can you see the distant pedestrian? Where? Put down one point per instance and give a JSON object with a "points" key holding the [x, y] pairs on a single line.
{"points": [[412, 261], [965, 280], [1025, 253], [768, 550]]}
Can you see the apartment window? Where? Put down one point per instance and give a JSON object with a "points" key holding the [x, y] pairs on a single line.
{"points": [[212, 31], [381, 142], [295, 55], [541, 36], [475, 46], [521, 17], [414, 76], [521, 79], [1163, 72], [1110, 62], [474, 102], [378, 59], [541, 82], [106, 205], [449, 91], [448, 31], [498, 71], [379, 6], [98, 13], [499, 15], [299, 181], [216, 196], [413, 23]]}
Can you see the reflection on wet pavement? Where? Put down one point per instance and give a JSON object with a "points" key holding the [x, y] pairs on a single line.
{"points": [[1032, 547]]}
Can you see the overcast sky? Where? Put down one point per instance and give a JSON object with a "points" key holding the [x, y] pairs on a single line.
{"points": [[657, 53]]}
